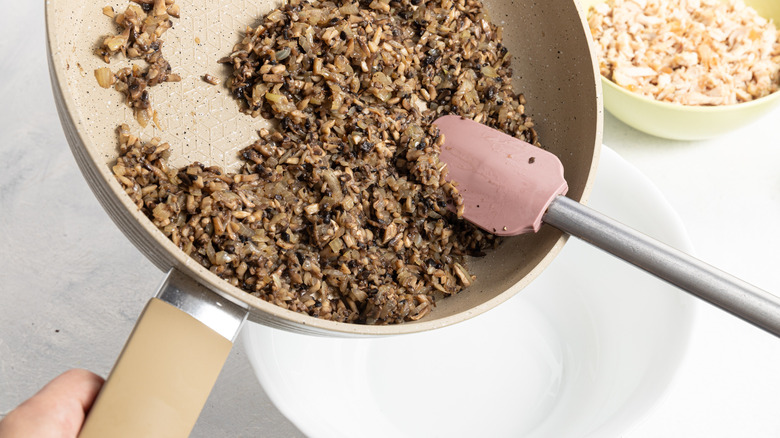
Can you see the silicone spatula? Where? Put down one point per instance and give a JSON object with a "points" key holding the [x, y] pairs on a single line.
{"points": [[511, 187]]}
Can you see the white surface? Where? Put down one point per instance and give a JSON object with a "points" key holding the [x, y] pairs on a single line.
{"points": [[579, 352], [71, 285], [727, 192]]}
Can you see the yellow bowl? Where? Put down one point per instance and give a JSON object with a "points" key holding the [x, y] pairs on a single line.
{"points": [[687, 122]]}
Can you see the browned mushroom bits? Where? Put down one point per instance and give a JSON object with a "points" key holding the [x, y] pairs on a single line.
{"points": [[141, 25], [340, 211]]}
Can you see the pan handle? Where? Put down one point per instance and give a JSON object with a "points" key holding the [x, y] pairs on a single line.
{"points": [[168, 366]]}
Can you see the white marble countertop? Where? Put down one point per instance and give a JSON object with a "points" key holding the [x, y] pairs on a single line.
{"points": [[71, 284]]}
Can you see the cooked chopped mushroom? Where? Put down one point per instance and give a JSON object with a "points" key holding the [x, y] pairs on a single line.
{"points": [[104, 77], [142, 26], [213, 80], [341, 209], [108, 11], [321, 62]]}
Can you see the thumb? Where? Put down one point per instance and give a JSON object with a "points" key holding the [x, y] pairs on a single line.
{"points": [[57, 410]]}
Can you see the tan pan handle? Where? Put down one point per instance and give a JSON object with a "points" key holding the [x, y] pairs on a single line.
{"points": [[162, 377]]}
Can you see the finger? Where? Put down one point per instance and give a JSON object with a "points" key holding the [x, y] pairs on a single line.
{"points": [[77, 386], [57, 410]]}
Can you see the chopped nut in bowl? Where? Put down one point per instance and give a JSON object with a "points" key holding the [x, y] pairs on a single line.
{"points": [[687, 70]]}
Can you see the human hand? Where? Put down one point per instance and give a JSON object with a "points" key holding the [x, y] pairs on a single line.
{"points": [[56, 411]]}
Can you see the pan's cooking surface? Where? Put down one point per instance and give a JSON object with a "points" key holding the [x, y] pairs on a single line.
{"points": [[202, 123]]}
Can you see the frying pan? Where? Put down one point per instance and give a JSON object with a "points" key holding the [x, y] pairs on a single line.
{"points": [[180, 342]]}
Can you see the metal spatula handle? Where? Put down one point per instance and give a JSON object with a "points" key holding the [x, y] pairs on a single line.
{"points": [[723, 290]]}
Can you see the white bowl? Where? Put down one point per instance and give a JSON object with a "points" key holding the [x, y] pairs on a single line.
{"points": [[585, 350]]}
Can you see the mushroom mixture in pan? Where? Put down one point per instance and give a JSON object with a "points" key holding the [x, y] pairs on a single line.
{"points": [[142, 25], [341, 209]]}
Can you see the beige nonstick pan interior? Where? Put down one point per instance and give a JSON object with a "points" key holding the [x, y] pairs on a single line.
{"points": [[553, 67]]}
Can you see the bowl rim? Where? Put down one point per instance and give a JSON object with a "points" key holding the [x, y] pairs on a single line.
{"points": [[704, 109]]}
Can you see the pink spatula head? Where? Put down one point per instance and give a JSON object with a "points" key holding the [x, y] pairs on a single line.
{"points": [[506, 183]]}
